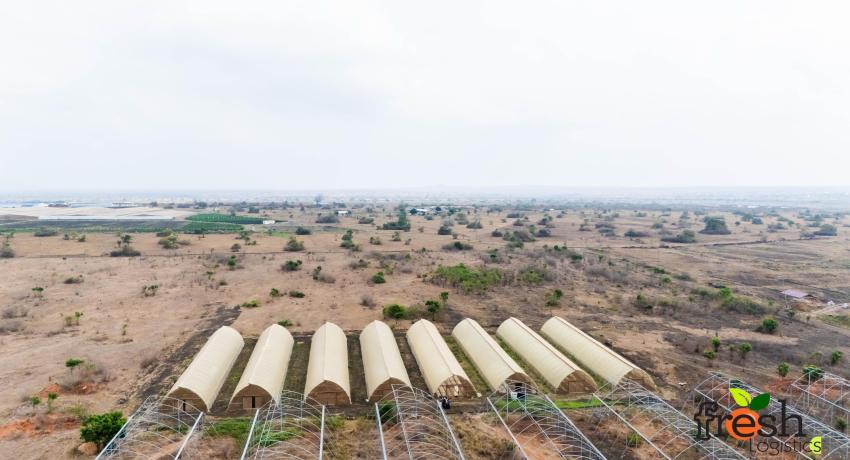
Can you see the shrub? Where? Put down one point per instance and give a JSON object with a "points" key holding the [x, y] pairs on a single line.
{"points": [[395, 311], [715, 226], [42, 232], [125, 251], [401, 224], [296, 294], [236, 247], [100, 428], [553, 299], [285, 323], [812, 373], [378, 278], [827, 230], [633, 440], [710, 354], [366, 300], [835, 357], [72, 363], [366, 220], [642, 303], [433, 308], [769, 325], [291, 265], [375, 240], [327, 219], [686, 236], [359, 263], [497, 233], [457, 246], [274, 293], [744, 348], [632, 233], [253, 303], [715, 343], [469, 280], [303, 231], [293, 245], [74, 279], [782, 369], [224, 218], [475, 224], [444, 230], [6, 252], [543, 232]]}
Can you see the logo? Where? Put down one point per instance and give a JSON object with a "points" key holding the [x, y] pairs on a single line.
{"points": [[745, 423]]}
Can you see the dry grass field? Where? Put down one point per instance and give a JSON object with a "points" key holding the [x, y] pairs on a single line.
{"points": [[658, 303]]}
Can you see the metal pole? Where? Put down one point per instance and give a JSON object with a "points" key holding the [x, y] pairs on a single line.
{"points": [[519, 446], [380, 432], [451, 432], [250, 435], [189, 436], [322, 434]]}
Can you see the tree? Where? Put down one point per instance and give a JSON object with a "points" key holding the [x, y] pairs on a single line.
{"points": [[433, 307], [100, 428], [715, 226], [812, 373], [293, 245], [827, 230], [782, 369], [378, 278], [444, 297], [715, 343], [231, 262], [744, 348]]}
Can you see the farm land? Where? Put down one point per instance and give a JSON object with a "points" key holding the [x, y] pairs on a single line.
{"points": [[133, 302]]}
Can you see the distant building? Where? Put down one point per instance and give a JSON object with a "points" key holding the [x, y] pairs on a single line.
{"points": [[793, 293], [268, 222], [343, 212]]}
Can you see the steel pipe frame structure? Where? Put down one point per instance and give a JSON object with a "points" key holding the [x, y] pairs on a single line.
{"points": [[674, 435], [522, 410], [293, 428], [835, 445], [826, 397], [146, 432], [422, 430]]}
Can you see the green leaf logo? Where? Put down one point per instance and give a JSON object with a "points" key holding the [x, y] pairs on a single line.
{"points": [[760, 402], [741, 397]]}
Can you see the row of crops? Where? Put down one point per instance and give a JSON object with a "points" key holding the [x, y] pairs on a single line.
{"points": [[225, 218]]}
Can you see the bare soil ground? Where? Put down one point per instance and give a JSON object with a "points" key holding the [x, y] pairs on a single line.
{"points": [[135, 346]]}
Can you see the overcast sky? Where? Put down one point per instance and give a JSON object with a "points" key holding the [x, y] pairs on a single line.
{"points": [[362, 94]]}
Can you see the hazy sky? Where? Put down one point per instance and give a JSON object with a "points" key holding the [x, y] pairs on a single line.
{"points": [[309, 94]]}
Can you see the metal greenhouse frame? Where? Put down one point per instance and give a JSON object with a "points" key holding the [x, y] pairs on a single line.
{"points": [[526, 413], [156, 425], [667, 430], [294, 428], [716, 388], [412, 425], [826, 397]]}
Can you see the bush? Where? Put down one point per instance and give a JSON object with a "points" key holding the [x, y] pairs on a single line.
{"points": [[469, 280], [444, 230], [253, 303], [827, 230], [378, 278], [101, 428], [543, 232], [395, 311], [274, 293], [715, 226], [303, 231], [366, 220], [835, 357], [291, 265], [401, 224], [812, 373], [285, 323], [631, 233], [125, 251], [327, 219], [710, 354], [296, 294], [497, 233], [642, 303], [769, 325], [293, 245], [457, 246], [6, 252], [42, 232], [475, 224], [366, 300], [687, 236], [782, 369]]}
